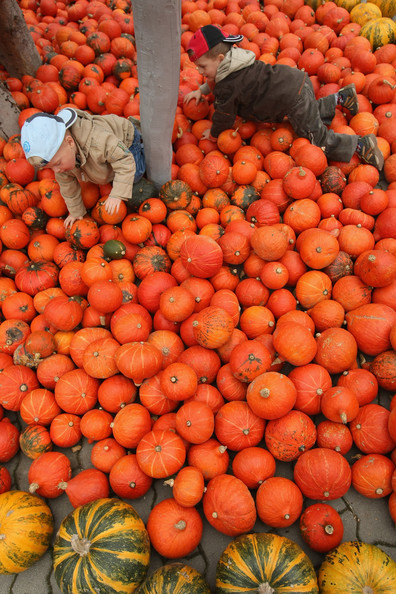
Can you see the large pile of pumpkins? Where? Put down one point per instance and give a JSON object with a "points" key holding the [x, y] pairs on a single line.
{"points": [[242, 315]]}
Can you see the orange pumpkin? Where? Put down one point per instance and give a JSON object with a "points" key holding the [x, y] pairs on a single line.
{"points": [[180, 532], [279, 502], [229, 506]]}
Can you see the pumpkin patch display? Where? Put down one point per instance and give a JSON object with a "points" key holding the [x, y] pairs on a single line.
{"points": [[222, 349]]}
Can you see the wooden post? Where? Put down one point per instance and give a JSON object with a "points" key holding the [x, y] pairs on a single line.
{"points": [[157, 34], [18, 54], [9, 112]]}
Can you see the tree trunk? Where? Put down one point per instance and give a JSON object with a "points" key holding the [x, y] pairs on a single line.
{"points": [[9, 112], [157, 34], [17, 50]]}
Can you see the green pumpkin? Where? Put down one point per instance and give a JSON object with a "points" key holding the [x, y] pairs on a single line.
{"points": [[357, 567], [35, 217], [113, 249], [141, 191], [35, 440], [176, 194], [174, 578], [379, 32], [244, 196], [101, 547], [265, 563]]}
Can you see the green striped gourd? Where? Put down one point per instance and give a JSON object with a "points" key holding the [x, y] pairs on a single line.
{"points": [[174, 578], [101, 547], [265, 562]]}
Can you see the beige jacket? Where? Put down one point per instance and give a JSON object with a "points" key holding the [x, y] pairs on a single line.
{"points": [[102, 156]]}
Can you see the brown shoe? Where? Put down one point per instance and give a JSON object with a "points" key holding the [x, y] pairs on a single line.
{"points": [[348, 98], [369, 152]]}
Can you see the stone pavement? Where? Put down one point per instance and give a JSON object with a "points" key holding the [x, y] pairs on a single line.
{"points": [[364, 519]]}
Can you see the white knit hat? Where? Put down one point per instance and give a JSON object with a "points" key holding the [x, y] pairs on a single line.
{"points": [[43, 133]]}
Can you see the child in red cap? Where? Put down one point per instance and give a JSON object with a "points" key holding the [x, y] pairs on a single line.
{"points": [[246, 87]]}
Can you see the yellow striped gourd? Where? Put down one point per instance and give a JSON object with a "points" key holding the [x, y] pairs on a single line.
{"points": [[388, 7], [26, 527], [362, 13], [347, 4], [379, 32], [357, 567]]}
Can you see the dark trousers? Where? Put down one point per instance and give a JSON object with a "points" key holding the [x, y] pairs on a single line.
{"points": [[309, 117], [137, 150]]}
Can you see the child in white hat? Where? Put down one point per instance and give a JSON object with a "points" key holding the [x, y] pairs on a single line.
{"points": [[79, 146]]}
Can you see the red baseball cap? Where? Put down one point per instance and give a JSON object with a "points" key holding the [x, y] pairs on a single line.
{"points": [[207, 37]]}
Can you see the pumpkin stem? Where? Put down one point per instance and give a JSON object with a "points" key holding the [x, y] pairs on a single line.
{"points": [[265, 589], [301, 172], [62, 485], [33, 487], [367, 590], [170, 482], [80, 546], [181, 525], [329, 529]]}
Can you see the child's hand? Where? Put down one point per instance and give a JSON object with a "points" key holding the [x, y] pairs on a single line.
{"points": [[193, 95], [206, 135], [68, 222], [112, 205]]}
